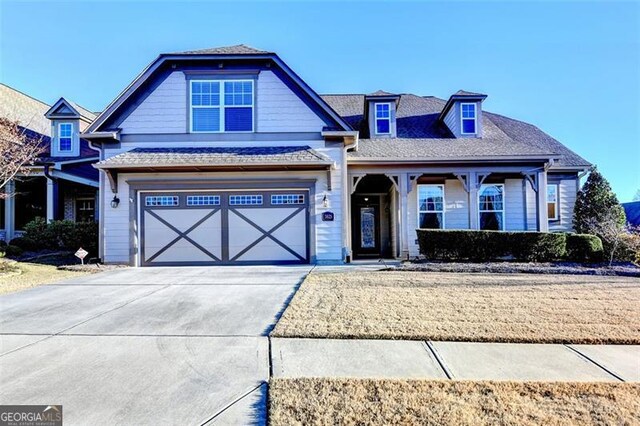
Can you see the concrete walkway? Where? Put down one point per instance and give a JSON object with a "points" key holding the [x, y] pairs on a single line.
{"points": [[454, 360]]}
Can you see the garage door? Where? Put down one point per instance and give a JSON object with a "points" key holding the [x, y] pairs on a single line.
{"points": [[224, 227]]}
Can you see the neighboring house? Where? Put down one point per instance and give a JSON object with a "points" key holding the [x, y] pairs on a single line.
{"points": [[632, 210], [226, 156], [61, 184]]}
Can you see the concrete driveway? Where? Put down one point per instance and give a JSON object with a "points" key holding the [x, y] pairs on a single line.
{"points": [[146, 345]]}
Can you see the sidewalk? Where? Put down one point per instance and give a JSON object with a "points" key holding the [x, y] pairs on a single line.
{"points": [[398, 359]]}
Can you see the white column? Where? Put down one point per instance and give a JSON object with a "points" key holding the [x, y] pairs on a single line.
{"points": [[473, 201], [9, 210], [404, 215], [541, 205], [50, 199]]}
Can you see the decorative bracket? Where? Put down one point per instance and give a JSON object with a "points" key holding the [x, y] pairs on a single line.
{"points": [[481, 179], [532, 178], [113, 179], [328, 179], [464, 179], [395, 180], [413, 181], [355, 180]]}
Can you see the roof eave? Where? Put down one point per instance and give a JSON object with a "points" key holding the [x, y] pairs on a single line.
{"points": [[431, 160]]}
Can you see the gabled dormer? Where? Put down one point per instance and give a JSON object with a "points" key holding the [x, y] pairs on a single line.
{"points": [[67, 121], [462, 114], [380, 112]]}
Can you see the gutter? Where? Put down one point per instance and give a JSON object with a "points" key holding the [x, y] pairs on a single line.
{"points": [[115, 135], [493, 159]]}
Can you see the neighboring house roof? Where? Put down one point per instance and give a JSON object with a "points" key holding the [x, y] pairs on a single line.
{"points": [[238, 49], [632, 210], [231, 156], [27, 111], [421, 135]]}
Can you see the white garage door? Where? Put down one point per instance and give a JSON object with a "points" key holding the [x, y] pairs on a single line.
{"points": [[224, 227]]}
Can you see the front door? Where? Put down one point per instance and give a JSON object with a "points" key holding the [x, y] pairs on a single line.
{"points": [[366, 226]]}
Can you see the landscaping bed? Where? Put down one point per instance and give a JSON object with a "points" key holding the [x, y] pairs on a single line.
{"points": [[22, 275], [523, 308], [625, 269], [427, 402]]}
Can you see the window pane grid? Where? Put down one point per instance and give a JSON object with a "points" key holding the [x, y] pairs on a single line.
{"points": [[552, 202], [65, 137], [203, 200], [491, 207], [222, 106], [431, 206], [245, 200], [287, 199], [161, 200]]}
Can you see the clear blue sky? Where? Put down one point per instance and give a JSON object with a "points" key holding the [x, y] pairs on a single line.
{"points": [[571, 68]]}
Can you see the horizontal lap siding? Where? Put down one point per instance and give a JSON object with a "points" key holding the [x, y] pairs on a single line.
{"points": [[457, 202], [515, 207]]}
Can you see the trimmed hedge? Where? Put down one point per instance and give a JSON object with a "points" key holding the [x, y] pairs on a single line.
{"points": [[584, 248], [59, 235], [491, 245]]}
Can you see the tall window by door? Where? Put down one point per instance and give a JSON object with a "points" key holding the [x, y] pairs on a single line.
{"points": [[65, 137], [468, 117], [491, 207], [552, 202], [222, 105], [383, 118], [431, 206]]}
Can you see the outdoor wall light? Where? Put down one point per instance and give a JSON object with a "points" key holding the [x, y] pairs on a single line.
{"points": [[325, 201], [115, 201]]}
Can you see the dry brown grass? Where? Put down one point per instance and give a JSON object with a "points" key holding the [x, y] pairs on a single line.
{"points": [[466, 307], [27, 275], [410, 402]]}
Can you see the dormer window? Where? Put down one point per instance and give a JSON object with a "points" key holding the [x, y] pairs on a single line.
{"points": [[65, 137], [221, 106], [383, 118], [468, 116]]}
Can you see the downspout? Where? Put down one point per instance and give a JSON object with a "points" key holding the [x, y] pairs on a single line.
{"points": [[51, 193], [346, 202]]}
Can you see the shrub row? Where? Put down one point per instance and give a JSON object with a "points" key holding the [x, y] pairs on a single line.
{"points": [[58, 235], [494, 245]]}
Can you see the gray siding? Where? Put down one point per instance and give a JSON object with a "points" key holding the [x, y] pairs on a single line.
{"points": [[372, 119], [515, 207], [452, 120], [568, 189], [457, 205]]}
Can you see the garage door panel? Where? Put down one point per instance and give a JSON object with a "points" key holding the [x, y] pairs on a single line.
{"points": [[267, 250], [183, 251]]}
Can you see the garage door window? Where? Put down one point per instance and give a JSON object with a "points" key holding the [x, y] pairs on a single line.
{"points": [[287, 199], [203, 200], [161, 200], [245, 200]]}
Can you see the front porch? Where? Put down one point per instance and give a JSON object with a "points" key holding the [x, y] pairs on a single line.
{"points": [[387, 205]]}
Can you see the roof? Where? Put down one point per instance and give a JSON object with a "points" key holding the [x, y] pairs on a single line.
{"points": [[467, 93], [208, 157], [27, 111], [632, 210], [420, 135], [238, 49], [381, 93]]}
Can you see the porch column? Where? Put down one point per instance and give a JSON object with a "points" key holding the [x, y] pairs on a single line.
{"points": [[473, 200], [541, 204], [9, 210], [404, 215], [50, 199]]}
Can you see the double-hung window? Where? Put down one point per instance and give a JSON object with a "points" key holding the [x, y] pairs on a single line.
{"points": [[552, 202], [383, 118], [431, 206], [222, 105], [491, 207], [468, 117], [65, 137]]}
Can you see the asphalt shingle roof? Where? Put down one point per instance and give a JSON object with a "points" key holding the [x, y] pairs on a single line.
{"points": [[421, 135], [239, 49], [24, 109], [231, 156]]}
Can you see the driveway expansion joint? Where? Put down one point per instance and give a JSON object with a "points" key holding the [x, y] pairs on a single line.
{"points": [[439, 359], [589, 359]]}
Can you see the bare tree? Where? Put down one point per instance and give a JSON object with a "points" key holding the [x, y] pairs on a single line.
{"points": [[620, 242], [19, 148]]}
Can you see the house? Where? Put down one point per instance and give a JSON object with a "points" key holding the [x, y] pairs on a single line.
{"points": [[61, 184], [632, 211], [226, 156]]}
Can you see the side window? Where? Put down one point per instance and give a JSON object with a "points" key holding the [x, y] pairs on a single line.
{"points": [[552, 202], [383, 118]]}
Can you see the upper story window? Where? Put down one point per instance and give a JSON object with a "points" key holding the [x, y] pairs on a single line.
{"points": [[222, 105], [552, 202], [65, 137], [431, 206], [383, 118], [491, 207], [468, 116]]}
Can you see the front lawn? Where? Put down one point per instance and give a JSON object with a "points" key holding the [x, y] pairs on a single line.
{"points": [[16, 276], [352, 401], [465, 307]]}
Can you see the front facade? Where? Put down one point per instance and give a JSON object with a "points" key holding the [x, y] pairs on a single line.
{"points": [[225, 156], [61, 183]]}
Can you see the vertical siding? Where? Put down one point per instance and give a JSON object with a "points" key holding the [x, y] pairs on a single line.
{"points": [[457, 205], [568, 190], [281, 110], [163, 111], [515, 212]]}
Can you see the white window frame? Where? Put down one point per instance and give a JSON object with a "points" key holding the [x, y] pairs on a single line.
{"points": [[59, 144], [444, 204], [557, 202], [504, 205], [222, 105], [475, 119], [375, 117]]}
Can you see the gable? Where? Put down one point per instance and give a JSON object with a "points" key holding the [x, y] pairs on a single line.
{"points": [[62, 109]]}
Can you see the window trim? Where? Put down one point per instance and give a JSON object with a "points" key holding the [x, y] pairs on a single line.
{"points": [[557, 202], [375, 117], [504, 205], [444, 204], [59, 142], [222, 107], [475, 118]]}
